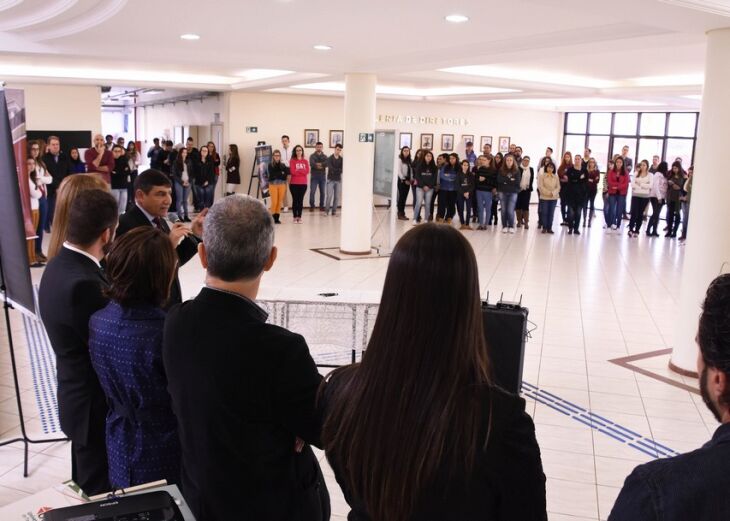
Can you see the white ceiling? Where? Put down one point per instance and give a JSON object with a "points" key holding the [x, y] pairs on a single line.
{"points": [[546, 53]]}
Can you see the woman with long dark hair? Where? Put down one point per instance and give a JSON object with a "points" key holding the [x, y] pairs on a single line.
{"points": [[77, 164], [182, 177], [494, 211], [594, 177], [417, 430], [577, 189], [465, 183], [657, 197], [549, 188], [618, 185], [448, 189], [299, 169], [233, 169], [205, 178], [675, 182], [426, 177], [640, 192], [508, 180], [522, 208], [405, 177], [565, 164]]}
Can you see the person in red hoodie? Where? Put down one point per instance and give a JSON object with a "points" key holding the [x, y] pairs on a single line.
{"points": [[299, 168], [618, 185]]}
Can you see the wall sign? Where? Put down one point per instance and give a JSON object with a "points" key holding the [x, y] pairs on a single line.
{"points": [[412, 119]]}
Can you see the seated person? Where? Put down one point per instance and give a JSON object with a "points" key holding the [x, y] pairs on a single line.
{"points": [[692, 486], [243, 390], [416, 431], [125, 344]]}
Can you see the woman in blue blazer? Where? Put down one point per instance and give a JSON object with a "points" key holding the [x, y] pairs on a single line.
{"points": [[125, 344]]}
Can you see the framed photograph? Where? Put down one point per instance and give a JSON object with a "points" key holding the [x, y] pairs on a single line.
{"points": [[427, 141], [406, 140], [447, 142], [467, 137], [311, 136], [485, 140], [504, 144], [336, 137]]}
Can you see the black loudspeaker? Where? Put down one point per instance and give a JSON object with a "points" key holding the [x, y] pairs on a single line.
{"points": [[505, 329], [150, 506]]}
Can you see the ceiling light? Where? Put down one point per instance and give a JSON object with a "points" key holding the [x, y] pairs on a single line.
{"points": [[457, 18], [678, 80], [394, 90], [153, 92], [709, 6], [536, 76], [260, 74], [322, 47], [578, 102], [190, 36], [696, 97]]}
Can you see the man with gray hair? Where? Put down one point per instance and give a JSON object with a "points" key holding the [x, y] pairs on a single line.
{"points": [[243, 390]]}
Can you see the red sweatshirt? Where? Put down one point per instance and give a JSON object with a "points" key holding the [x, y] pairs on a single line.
{"points": [[299, 171], [618, 184]]}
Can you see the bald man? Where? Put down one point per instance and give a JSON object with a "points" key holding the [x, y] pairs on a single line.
{"points": [[99, 160]]}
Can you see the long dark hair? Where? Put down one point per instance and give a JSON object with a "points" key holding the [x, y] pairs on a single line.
{"points": [[179, 159], [405, 159], [412, 410], [427, 165], [234, 152]]}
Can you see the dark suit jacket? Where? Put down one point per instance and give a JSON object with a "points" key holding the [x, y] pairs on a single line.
{"points": [[242, 390], [58, 170], [70, 292], [186, 250]]}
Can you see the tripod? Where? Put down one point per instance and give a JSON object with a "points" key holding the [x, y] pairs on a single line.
{"points": [[24, 438]]}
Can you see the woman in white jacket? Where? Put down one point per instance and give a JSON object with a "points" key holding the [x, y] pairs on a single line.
{"points": [[36, 192], [657, 196], [640, 192]]}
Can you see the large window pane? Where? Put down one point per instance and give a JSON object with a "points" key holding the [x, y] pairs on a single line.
{"points": [[600, 123], [599, 150], [682, 124], [620, 142], [577, 122], [648, 148], [652, 124], [680, 148], [624, 123], [574, 145]]}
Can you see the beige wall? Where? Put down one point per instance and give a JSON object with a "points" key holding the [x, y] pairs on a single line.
{"points": [[61, 107]]}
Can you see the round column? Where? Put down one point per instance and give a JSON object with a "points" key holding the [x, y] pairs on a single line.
{"points": [[708, 243], [357, 175]]}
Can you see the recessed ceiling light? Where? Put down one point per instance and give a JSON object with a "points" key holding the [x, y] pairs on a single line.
{"points": [[457, 18], [190, 36], [322, 47]]}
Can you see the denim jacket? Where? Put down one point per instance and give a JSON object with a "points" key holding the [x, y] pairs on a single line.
{"points": [[692, 486]]}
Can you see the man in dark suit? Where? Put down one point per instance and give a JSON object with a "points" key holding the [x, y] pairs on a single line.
{"points": [[59, 166], [70, 292], [152, 198], [243, 390]]}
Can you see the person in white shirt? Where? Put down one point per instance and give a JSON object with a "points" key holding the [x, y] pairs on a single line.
{"points": [[36, 192], [640, 194]]}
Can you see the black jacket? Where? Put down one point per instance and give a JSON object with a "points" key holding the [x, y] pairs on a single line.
{"points": [[486, 179], [577, 185], [426, 176], [509, 181], [70, 292], [277, 171], [507, 484], [58, 170], [186, 250], [242, 391], [121, 173], [205, 172], [465, 182], [233, 171]]}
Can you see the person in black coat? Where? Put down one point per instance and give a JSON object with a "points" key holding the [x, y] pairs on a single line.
{"points": [[60, 167], [70, 292], [153, 196], [243, 390], [577, 192]]}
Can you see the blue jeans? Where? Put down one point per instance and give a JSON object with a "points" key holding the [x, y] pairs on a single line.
{"points": [[42, 217], [423, 196], [207, 194], [547, 213], [317, 181], [334, 194], [509, 200], [181, 198], [616, 206], [484, 206]]}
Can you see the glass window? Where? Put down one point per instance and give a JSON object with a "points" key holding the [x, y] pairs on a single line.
{"points": [[599, 149], [680, 148], [682, 124], [577, 122], [652, 124], [620, 142], [600, 123], [624, 123], [574, 145], [648, 148]]}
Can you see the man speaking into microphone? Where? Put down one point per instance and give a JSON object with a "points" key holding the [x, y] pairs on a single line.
{"points": [[152, 199]]}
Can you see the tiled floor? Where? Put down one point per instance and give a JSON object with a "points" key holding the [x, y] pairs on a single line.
{"points": [[592, 298]]}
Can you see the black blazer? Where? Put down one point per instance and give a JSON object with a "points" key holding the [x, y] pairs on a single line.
{"points": [[70, 292], [508, 482], [242, 391], [186, 250], [59, 171]]}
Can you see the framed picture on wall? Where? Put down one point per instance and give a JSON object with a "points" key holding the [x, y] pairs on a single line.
{"points": [[405, 140], [447, 142], [466, 138], [336, 137], [311, 136], [485, 140], [504, 144], [427, 141]]}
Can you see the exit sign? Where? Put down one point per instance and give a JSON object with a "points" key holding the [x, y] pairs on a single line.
{"points": [[252, 130]]}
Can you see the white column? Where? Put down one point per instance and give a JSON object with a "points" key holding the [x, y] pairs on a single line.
{"points": [[708, 242], [357, 176]]}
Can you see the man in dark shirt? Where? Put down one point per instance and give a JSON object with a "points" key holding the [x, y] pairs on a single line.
{"points": [[692, 486], [154, 154], [318, 178], [59, 167], [334, 180]]}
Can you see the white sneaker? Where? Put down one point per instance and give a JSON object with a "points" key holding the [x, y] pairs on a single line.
{"points": [[415, 222], [285, 209], [614, 227], [512, 230], [505, 230]]}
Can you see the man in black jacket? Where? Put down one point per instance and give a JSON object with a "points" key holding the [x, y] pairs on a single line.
{"points": [[70, 292], [152, 198], [59, 166], [243, 390]]}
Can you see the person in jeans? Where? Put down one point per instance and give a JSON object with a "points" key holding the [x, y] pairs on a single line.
{"points": [[448, 189], [564, 193], [577, 190], [299, 168], [549, 187], [405, 178], [618, 185], [465, 186], [692, 486], [675, 183], [277, 172], [120, 177], [486, 189], [334, 180], [527, 178], [594, 177], [657, 197], [686, 198], [205, 178], [425, 181], [508, 180], [640, 192], [318, 179], [497, 165], [182, 169]]}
